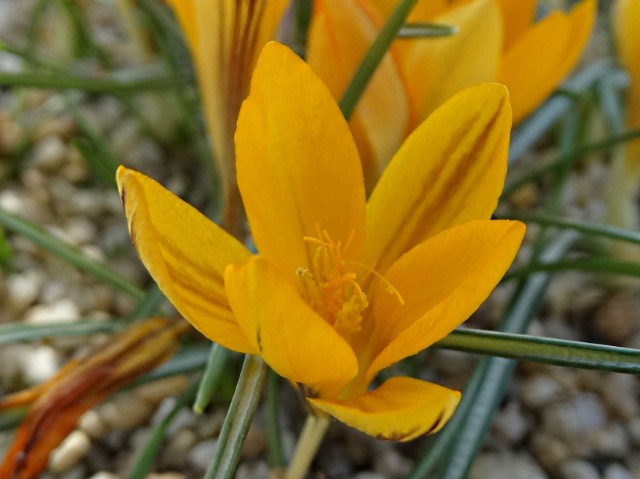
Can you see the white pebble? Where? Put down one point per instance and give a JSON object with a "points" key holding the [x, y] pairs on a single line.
{"points": [[538, 391], [616, 471], [39, 363], [125, 411], [156, 391], [104, 475], [201, 454], [61, 311], [23, 289], [91, 423], [49, 153], [579, 470], [69, 452], [506, 466]]}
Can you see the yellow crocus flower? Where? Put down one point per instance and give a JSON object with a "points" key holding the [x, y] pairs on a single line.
{"points": [[341, 287], [496, 41], [225, 37]]}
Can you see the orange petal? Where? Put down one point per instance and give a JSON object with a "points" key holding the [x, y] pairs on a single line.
{"points": [[341, 33], [517, 16], [298, 167], [401, 409], [292, 338], [624, 21], [540, 59], [442, 282], [185, 253], [449, 171], [225, 37], [437, 68]]}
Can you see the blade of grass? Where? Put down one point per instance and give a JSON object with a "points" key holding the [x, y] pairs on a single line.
{"points": [[374, 56], [211, 377], [275, 453], [236, 425], [72, 255], [591, 265], [427, 30], [559, 352], [147, 455], [15, 333], [528, 300], [542, 167], [585, 227], [539, 122]]}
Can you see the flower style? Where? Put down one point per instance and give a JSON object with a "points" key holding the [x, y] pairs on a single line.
{"points": [[225, 37], [496, 41], [341, 287]]}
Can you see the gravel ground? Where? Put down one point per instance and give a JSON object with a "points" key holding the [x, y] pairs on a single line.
{"points": [[554, 422]]}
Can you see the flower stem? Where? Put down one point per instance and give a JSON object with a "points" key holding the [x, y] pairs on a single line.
{"points": [[236, 424], [312, 434]]}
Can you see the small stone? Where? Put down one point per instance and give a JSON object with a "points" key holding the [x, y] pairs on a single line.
{"points": [[510, 423], [611, 440], [255, 444], [539, 390], [23, 289], [616, 471], [69, 452], [390, 463], [620, 392], [39, 363], [201, 454], [505, 465], [578, 469], [91, 423], [125, 411], [549, 451], [49, 153], [580, 414], [178, 448], [63, 310], [104, 475], [257, 470], [617, 318], [156, 391]]}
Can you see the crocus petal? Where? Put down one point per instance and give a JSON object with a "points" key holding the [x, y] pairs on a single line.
{"points": [[540, 59], [449, 171], [341, 33], [225, 37], [295, 341], [401, 409], [186, 254], [298, 167], [517, 16], [460, 267], [624, 21], [437, 68]]}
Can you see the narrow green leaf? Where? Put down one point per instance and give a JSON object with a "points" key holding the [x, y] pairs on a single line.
{"points": [[585, 227], [427, 30], [72, 255], [6, 252], [185, 361], [123, 82], [529, 131], [275, 450], [236, 425], [211, 377], [374, 56], [591, 265], [147, 455], [462, 437], [573, 354], [18, 332], [518, 179]]}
